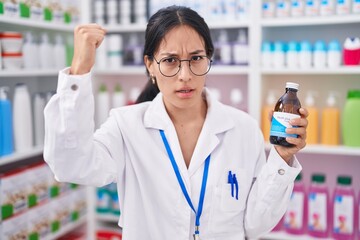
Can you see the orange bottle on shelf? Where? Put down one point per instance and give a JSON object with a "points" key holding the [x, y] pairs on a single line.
{"points": [[313, 119], [265, 121], [330, 122]]}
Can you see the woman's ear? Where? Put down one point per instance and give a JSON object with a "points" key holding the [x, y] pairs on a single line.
{"points": [[148, 63]]}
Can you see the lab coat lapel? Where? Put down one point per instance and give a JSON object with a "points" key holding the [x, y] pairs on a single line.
{"points": [[216, 122]]}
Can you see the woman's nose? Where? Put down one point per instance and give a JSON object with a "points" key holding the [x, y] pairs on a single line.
{"points": [[185, 72]]}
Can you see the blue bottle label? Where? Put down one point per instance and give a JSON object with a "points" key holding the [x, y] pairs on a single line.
{"points": [[279, 123]]}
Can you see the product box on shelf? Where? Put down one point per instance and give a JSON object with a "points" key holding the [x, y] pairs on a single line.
{"points": [[13, 193], [78, 203], [38, 220], [14, 228], [38, 188]]}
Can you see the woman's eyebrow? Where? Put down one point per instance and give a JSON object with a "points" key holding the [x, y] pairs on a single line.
{"points": [[172, 54]]}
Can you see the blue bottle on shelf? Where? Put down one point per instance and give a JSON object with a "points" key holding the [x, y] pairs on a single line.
{"points": [[6, 128]]}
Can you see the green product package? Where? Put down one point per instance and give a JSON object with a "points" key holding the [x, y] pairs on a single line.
{"points": [[351, 119]]}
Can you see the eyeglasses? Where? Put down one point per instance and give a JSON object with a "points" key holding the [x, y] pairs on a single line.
{"points": [[170, 66]]}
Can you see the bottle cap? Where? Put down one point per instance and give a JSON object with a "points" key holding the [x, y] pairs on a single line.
{"points": [[318, 178], [102, 88], [305, 46], [118, 88], [320, 46], [271, 99], [298, 177], [293, 46], [292, 85], [241, 38], [279, 46], [310, 100], [3, 92], [334, 45], [353, 94], [267, 47], [352, 43], [344, 180], [331, 100], [236, 96], [223, 37]]}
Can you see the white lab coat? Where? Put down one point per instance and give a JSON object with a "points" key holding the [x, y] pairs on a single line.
{"points": [[128, 149]]}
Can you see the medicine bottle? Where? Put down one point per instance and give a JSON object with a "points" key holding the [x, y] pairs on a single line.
{"points": [[286, 108]]}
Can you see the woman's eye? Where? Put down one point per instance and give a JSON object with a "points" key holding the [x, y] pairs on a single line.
{"points": [[197, 58], [169, 60]]}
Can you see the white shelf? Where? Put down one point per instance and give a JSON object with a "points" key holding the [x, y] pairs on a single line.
{"points": [[322, 149], [304, 21], [21, 155], [313, 71], [285, 236], [67, 228], [24, 22], [142, 27], [141, 70], [29, 73], [107, 217]]}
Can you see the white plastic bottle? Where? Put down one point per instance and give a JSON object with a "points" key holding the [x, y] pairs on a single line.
{"points": [[356, 9], [305, 55], [102, 105], [312, 7], [267, 52], [292, 55], [118, 97], [99, 11], [140, 11], [134, 94], [125, 12], [278, 60], [327, 7], [115, 51], [225, 48], [237, 99], [30, 52], [241, 49], [282, 8], [23, 132], [39, 123], [343, 7], [59, 52], [101, 61], [297, 8], [334, 54], [268, 8], [112, 12], [319, 54], [46, 52]]}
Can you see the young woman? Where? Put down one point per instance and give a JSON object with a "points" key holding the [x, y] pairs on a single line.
{"points": [[186, 166]]}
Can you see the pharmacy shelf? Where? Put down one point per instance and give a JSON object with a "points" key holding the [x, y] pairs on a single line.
{"points": [[322, 149], [140, 70], [21, 155], [24, 22], [67, 228], [107, 217], [29, 73], [305, 21], [141, 27], [343, 70], [285, 236]]}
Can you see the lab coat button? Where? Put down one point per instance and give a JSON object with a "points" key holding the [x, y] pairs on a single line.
{"points": [[281, 171], [74, 87]]}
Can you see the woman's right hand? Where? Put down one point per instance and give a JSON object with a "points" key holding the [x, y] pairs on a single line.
{"points": [[87, 38]]}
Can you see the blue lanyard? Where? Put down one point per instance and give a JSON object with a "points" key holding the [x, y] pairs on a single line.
{"points": [[182, 185]]}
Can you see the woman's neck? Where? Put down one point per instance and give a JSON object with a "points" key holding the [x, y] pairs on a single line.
{"points": [[185, 116]]}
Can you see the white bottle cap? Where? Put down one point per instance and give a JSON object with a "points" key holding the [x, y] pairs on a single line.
{"points": [[270, 100], [310, 101], [292, 85], [236, 96]]}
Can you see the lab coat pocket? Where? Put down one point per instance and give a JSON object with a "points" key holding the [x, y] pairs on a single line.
{"points": [[233, 195]]}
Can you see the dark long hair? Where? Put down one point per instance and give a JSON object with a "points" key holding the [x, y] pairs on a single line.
{"points": [[161, 23]]}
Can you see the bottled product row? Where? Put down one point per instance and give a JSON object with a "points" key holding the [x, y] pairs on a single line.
{"points": [[124, 12], [318, 211], [21, 120], [327, 125], [33, 51], [64, 11], [34, 205], [309, 8], [303, 54], [231, 47]]}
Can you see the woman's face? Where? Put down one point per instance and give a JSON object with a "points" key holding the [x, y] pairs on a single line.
{"points": [[185, 88]]}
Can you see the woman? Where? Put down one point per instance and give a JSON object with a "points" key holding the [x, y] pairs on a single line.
{"points": [[186, 166]]}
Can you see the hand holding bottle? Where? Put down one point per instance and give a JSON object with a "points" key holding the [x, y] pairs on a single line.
{"points": [[299, 128], [87, 38]]}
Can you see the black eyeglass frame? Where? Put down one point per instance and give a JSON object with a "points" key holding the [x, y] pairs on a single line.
{"points": [[183, 60]]}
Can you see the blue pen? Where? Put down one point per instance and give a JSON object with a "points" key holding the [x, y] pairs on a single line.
{"points": [[230, 180], [236, 186]]}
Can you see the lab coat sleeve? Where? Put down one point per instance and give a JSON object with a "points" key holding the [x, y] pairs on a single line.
{"points": [[270, 193], [72, 150]]}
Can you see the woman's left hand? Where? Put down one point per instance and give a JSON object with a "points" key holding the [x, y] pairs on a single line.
{"points": [[299, 143]]}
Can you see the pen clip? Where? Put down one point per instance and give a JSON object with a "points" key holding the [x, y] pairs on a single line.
{"points": [[236, 186], [231, 181]]}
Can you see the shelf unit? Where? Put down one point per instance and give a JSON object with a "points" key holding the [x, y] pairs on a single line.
{"points": [[29, 73], [17, 156]]}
